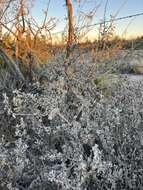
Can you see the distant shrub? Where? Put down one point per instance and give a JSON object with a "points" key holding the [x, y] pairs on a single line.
{"points": [[136, 69]]}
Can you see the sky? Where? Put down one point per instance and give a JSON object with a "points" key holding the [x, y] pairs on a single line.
{"points": [[126, 28]]}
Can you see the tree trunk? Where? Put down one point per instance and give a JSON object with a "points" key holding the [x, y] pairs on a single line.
{"points": [[70, 26]]}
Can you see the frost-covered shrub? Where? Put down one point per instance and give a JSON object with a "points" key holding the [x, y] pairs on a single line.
{"points": [[72, 138]]}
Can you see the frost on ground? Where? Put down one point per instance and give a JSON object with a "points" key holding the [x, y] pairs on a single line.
{"points": [[65, 134]]}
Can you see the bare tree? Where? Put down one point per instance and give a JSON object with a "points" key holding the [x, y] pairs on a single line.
{"points": [[26, 31], [13, 68]]}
